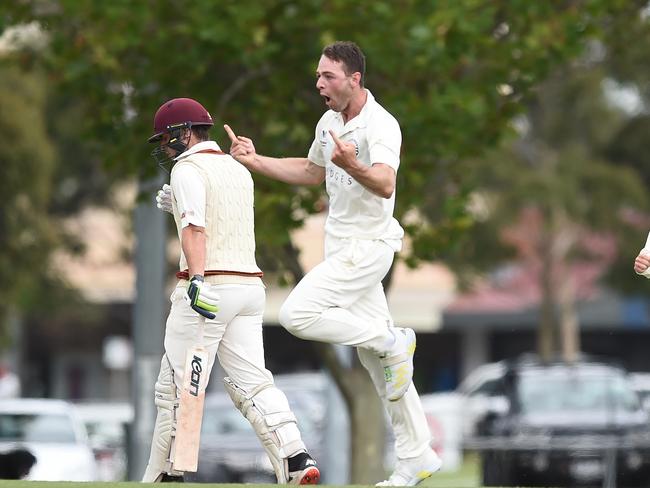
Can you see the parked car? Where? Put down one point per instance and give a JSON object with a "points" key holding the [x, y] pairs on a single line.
{"points": [[230, 451], [481, 392], [108, 425], [562, 424], [52, 432], [641, 384]]}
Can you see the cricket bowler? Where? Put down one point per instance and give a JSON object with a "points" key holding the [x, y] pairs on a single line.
{"points": [[356, 152]]}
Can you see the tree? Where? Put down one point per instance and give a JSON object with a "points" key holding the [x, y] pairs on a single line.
{"points": [[26, 235], [557, 201], [454, 73]]}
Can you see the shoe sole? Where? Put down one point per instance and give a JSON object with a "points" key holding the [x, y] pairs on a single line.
{"points": [[311, 476]]}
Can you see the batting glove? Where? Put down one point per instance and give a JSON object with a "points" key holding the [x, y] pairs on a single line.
{"points": [[164, 198], [201, 298]]}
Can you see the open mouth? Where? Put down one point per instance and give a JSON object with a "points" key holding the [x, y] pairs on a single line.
{"points": [[327, 99]]}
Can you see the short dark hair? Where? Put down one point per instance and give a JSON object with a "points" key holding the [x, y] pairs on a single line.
{"points": [[348, 53], [201, 132]]}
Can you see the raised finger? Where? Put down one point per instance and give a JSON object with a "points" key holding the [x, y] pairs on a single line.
{"points": [[245, 140], [231, 134], [337, 141]]}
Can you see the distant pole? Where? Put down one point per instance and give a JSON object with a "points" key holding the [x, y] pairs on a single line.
{"points": [[149, 312]]}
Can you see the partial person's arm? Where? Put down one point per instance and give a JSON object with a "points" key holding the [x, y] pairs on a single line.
{"points": [[296, 171], [193, 243], [189, 190], [378, 178], [642, 261]]}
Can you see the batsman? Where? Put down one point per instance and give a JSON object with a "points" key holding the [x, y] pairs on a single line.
{"points": [[216, 307]]}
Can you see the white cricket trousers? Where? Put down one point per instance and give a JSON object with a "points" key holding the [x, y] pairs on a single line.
{"points": [[342, 301], [235, 338]]}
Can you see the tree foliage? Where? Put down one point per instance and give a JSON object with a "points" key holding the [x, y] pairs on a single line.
{"points": [[454, 73], [567, 192], [26, 234]]}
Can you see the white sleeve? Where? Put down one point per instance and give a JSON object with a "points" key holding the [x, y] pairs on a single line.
{"points": [[188, 189], [384, 142], [316, 155]]}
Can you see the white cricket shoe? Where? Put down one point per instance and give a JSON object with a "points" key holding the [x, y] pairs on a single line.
{"points": [[398, 363], [411, 471]]}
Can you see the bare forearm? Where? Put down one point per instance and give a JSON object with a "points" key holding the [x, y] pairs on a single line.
{"points": [[379, 178], [295, 171], [193, 244]]}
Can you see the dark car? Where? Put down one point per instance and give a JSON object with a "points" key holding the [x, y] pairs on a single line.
{"points": [[230, 452], [564, 424]]}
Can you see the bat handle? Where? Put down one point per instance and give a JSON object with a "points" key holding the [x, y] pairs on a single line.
{"points": [[201, 328]]}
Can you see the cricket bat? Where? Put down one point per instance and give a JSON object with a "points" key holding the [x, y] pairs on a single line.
{"points": [[190, 408]]}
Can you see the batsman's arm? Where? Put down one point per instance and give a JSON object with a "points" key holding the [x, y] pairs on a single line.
{"points": [[193, 243], [200, 296]]}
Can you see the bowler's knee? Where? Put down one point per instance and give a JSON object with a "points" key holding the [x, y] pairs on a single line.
{"points": [[287, 314], [292, 318]]}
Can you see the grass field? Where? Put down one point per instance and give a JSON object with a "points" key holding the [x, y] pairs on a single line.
{"points": [[466, 477], [441, 482]]}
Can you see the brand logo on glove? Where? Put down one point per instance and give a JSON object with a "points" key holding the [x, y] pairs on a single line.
{"points": [[197, 369]]}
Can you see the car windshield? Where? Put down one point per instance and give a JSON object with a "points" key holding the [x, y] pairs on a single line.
{"points": [[36, 428], [575, 392]]}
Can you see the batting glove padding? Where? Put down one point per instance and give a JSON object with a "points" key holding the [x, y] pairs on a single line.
{"points": [[164, 198], [201, 298]]}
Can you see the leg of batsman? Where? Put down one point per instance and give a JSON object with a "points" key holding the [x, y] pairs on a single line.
{"points": [[166, 404], [268, 411]]}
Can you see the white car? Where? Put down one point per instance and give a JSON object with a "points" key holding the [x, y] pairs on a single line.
{"points": [[52, 432], [107, 424], [480, 394], [641, 384]]}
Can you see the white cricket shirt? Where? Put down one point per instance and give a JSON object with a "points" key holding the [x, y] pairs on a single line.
{"points": [[188, 187], [354, 211], [212, 190]]}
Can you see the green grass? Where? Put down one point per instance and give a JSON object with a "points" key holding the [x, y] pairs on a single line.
{"points": [[466, 477], [133, 484]]}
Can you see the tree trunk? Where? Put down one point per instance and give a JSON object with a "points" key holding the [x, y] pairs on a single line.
{"points": [[569, 321], [367, 429], [546, 339]]}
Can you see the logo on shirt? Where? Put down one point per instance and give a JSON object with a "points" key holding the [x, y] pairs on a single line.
{"points": [[356, 146], [339, 176]]}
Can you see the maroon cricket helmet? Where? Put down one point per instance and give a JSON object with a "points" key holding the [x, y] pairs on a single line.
{"points": [[176, 112]]}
